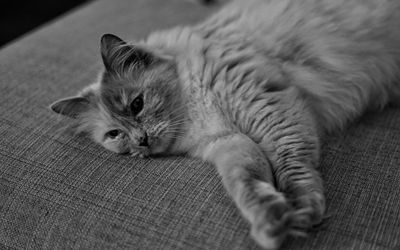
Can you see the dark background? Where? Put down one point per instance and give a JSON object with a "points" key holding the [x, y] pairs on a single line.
{"points": [[19, 17]]}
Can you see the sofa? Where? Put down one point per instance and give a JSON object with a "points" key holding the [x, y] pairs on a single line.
{"points": [[61, 191]]}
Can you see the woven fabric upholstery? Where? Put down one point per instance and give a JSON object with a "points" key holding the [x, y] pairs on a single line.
{"points": [[59, 191]]}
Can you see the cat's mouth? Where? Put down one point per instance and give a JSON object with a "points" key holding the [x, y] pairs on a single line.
{"points": [[142, 153], [154, 146]]}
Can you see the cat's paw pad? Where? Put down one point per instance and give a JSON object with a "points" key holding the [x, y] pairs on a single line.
{"points": [[272, 224]]}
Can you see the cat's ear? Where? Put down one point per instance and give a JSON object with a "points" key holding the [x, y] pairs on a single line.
{"points": [[117, 54], [108, 46], [71, 107]]}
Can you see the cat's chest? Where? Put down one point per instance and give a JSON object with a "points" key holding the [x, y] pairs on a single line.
{"points": [[244, 102], [226, 91], [206, 111], [205, 118]]}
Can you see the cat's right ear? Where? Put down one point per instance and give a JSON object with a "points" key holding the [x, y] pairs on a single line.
{"points": [[71, 107], [108, 43]]}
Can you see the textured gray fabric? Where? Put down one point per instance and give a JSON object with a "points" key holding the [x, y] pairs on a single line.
{"points": [[58, 191]]}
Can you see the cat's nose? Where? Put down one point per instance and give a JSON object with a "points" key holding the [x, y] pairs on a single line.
{"points": [[144, 140]]}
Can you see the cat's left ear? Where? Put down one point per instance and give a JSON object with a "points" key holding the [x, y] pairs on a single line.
{"points": [[71, 107], [117, 54], [108, 46]]}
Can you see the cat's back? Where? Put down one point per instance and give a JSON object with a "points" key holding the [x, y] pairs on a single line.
{"points": [[310, 32], [345, 53], [272, 20]]}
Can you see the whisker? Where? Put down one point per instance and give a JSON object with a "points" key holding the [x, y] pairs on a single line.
{"points": [[177, 124], [174, 111], [174, 130]]}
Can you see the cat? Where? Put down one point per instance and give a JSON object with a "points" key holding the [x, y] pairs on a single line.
{"points": [[253, 89]]}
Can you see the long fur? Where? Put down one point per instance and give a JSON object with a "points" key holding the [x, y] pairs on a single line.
{"points": [[251, 90]]}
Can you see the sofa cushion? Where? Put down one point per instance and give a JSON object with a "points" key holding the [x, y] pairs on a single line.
{"points": [[62, 191]]}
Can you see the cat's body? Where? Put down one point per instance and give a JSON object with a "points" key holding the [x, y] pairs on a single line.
{"points": [[251, 90]]}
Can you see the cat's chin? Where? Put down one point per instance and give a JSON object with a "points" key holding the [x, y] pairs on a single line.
{"points": [[144, 153], [160, 146], [158, 149]]}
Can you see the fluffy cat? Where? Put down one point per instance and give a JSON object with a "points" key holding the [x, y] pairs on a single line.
{"points": [[251, 90]]}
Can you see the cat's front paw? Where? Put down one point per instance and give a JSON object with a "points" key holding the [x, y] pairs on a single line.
{"points": [[272, 224], [272, 216], [310, 209]]}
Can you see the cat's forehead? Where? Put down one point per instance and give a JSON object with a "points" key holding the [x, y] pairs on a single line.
{"points": [[120, 80], [117, 100], [120, 85]]}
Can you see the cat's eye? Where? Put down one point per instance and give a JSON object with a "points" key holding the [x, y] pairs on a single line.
{"points": [[137, 105], [113, 133]]}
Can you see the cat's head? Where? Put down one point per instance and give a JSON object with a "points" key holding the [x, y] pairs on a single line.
{"points": [[136, 106]]}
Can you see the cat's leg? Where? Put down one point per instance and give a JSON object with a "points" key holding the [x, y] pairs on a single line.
{"points": [[297, 177], [291, 143], [247, 176]]}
